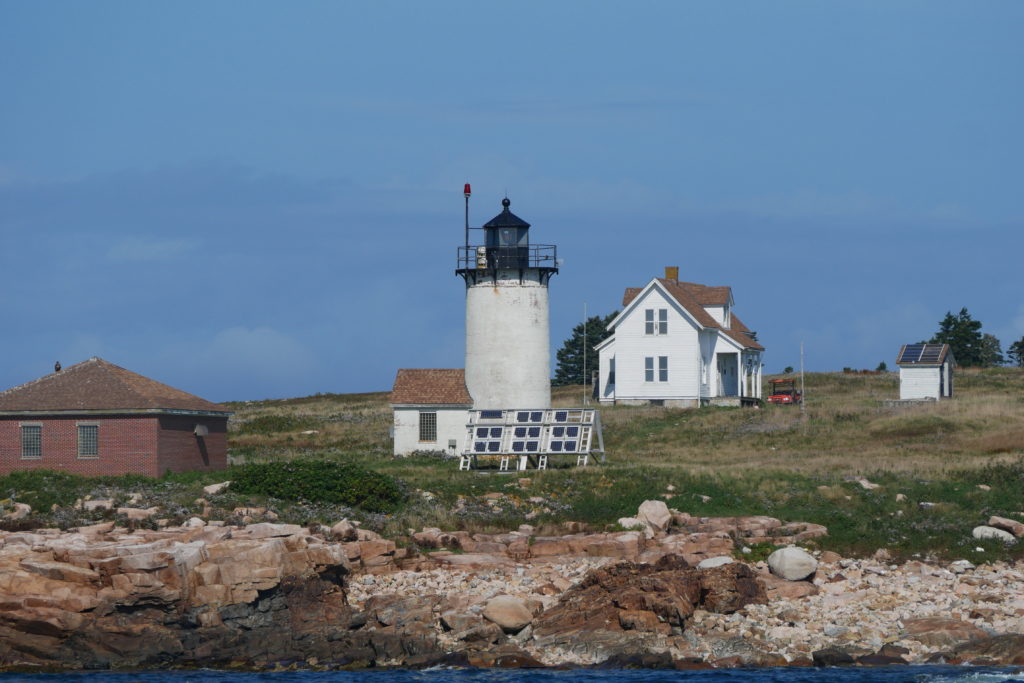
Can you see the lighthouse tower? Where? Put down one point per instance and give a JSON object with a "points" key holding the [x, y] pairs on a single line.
{"points": [[508, 362]]}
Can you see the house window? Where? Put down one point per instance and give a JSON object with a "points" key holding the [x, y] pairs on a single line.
{"points": [[88, 441], [428, 426], [659, 326], [649, 369], [31, 442], [662, 368]]}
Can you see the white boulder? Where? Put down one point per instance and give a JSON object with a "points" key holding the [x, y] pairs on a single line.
{"points": [[792, 563], [655, 513], [983, 532]]}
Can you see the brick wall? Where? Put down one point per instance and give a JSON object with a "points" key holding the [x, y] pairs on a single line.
{"points": [[181, 450], [127, 444]]}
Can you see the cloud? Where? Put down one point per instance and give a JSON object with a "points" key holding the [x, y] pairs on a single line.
{"points": [[135, 249]]}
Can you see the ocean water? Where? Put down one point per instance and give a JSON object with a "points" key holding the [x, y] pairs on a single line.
{"points": [[901, 674]]}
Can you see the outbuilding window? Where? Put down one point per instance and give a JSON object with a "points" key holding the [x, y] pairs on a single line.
{"points": [[428, 426], [31, 442], [88, 441]]}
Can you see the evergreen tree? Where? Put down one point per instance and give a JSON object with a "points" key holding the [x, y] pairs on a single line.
{"points": [[570, 368], [991, 351], [1016, 353], [969, 345]]}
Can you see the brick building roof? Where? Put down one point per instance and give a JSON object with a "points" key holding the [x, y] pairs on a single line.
{"points": [[431, 386], [694, 297], [96, 385]]}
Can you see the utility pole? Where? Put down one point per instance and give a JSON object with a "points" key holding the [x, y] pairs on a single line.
{"points": [[803, 393]]}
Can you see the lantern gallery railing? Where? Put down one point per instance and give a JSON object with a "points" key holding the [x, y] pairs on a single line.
{"points": [[492, 258], [520, 439]]}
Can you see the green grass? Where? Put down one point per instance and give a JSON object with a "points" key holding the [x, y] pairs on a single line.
{"points": [[775, 461]]}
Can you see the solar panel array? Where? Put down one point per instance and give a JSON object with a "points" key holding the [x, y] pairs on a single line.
{"points": [[921, 353], [531, 432]]}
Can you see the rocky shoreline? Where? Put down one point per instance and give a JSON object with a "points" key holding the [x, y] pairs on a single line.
{"points": [[666, 594]]}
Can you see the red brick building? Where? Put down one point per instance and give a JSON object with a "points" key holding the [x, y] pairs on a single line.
{"points": [[96, 418]]}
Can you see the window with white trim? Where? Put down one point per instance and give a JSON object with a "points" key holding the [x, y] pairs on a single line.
{"points": [[88, 441], [31, 442], [428, 426], [655, 321], [662, 368]]}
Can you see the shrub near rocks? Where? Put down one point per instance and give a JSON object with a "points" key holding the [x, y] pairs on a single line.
{"points": [[319, 481]]}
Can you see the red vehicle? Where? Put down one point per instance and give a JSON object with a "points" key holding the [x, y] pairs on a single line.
{"points": [[784, 392]]}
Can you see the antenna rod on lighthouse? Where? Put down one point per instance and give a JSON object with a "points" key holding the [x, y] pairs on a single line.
{"points": [[466, 191]]}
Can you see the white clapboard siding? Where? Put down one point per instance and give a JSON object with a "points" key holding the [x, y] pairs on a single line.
{"points": [[919, 382]]}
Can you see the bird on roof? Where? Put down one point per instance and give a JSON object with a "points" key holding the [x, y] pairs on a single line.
{"points": [[56, 366]]}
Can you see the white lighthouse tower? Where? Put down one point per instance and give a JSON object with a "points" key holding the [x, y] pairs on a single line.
{"points": [[508, 362]]}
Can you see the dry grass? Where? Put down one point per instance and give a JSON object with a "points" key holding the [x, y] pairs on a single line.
{"points": [[845, 429]]}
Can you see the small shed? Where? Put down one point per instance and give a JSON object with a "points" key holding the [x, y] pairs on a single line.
{"points": [[431, 408], [926, 372]]}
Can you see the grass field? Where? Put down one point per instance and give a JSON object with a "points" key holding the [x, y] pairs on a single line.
{"points": [[724, 461], [955, 463]]}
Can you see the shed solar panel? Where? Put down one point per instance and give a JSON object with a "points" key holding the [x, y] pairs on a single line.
{"points": [[929, 354], [911, 353]]}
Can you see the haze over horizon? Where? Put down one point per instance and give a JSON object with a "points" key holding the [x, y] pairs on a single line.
{"points": [[250, 200]]}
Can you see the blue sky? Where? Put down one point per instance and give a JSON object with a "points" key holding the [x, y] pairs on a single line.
{"points": [[263, 199]]}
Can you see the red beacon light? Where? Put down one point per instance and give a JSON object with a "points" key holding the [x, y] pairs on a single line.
{"points": [[466, 191]]}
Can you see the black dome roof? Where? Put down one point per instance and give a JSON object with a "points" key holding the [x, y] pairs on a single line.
{"points": [[506, 219]]}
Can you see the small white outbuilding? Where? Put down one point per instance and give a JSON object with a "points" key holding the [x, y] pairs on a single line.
{"points": [[926, 372], [431, 409]]}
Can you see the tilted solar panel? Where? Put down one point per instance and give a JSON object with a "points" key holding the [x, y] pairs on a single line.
{"points": [[911, 353]]}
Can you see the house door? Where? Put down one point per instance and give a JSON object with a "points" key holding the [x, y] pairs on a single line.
{"points": [[728, 381]]}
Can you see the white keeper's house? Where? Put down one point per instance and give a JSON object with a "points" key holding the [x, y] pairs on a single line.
{"points": [[679, 344]]}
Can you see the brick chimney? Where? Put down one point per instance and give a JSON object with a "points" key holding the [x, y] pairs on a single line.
{"points": [[672, 273]]}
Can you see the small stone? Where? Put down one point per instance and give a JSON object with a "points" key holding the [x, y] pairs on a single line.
{"points": [[214, 489], [714, 562]]}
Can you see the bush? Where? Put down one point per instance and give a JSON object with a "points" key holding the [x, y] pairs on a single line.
{"points": [[319, 481], [42, 488]]}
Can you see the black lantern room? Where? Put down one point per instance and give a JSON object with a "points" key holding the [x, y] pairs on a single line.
{"points": [[506, 246], [507, 240]]}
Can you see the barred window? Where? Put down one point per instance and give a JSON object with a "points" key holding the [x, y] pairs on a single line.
{"points": [[31, 442], [428, 426], [88, 441]]}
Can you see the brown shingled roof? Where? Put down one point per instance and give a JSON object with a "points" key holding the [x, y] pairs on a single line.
{"points": [[441, 386], [693, 297], [96, 385]]}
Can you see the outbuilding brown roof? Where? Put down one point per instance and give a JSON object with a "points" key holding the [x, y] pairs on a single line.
{"points": [[96, 385], [693, 298], [431, 386]]}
